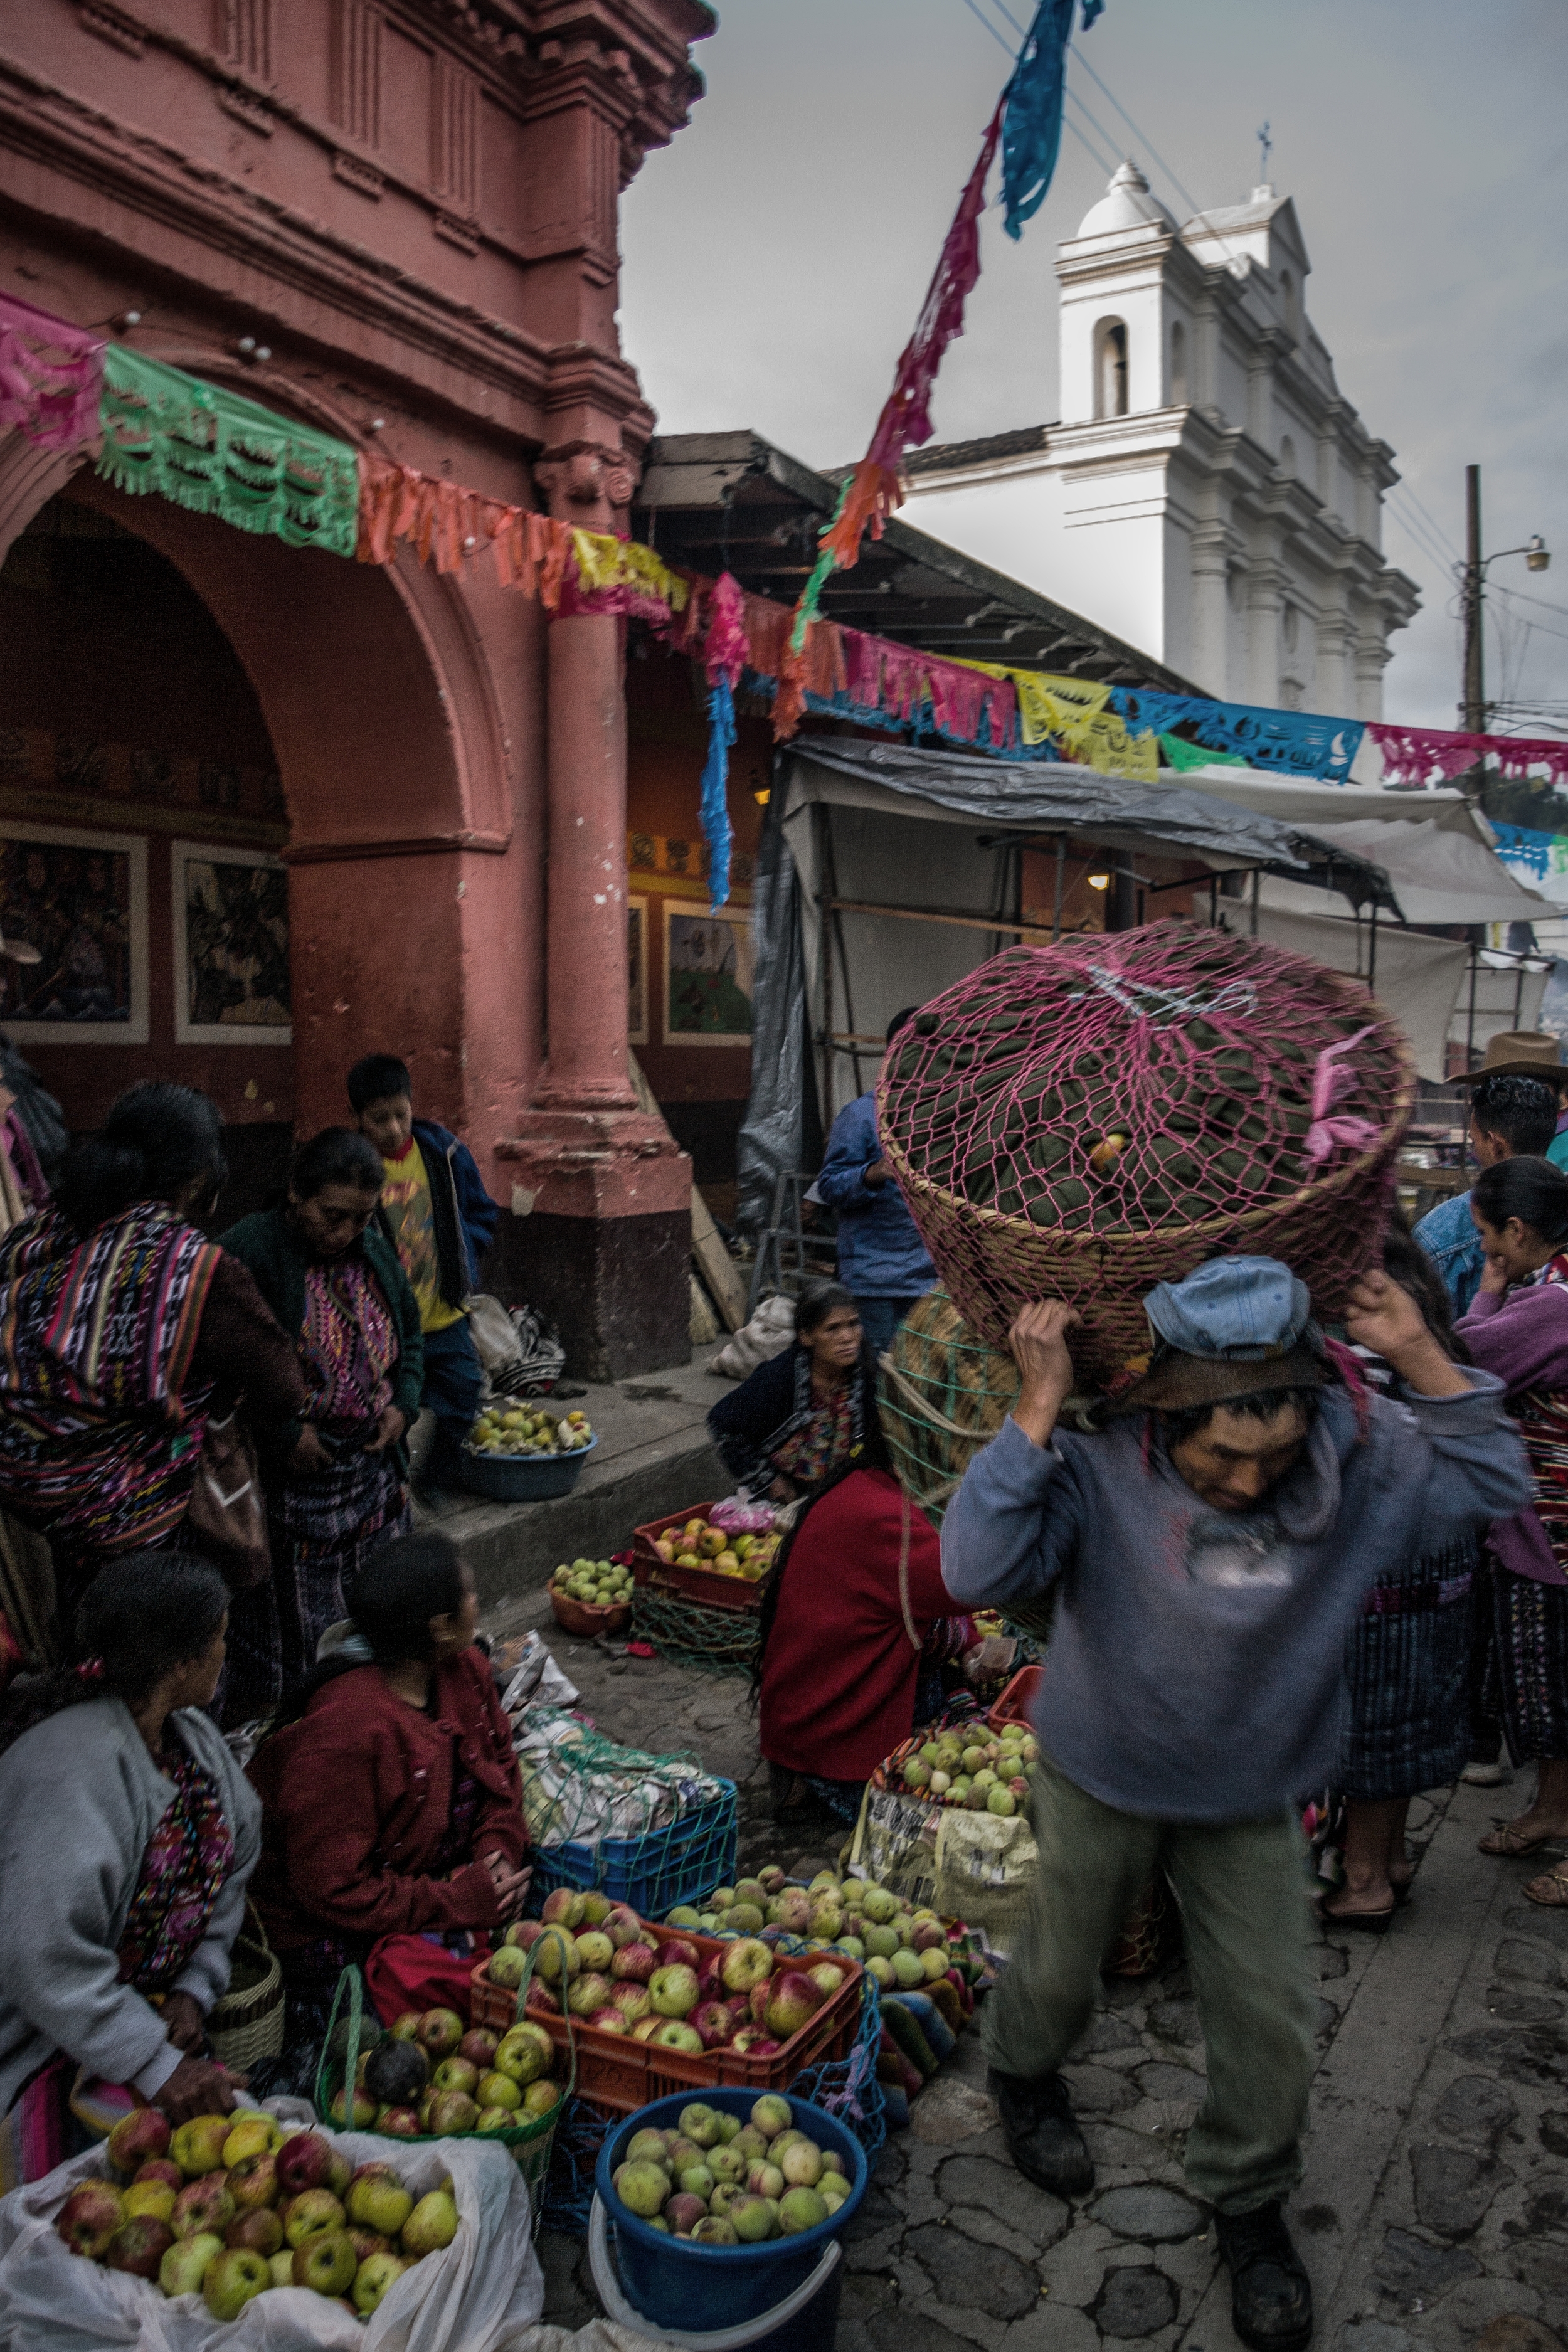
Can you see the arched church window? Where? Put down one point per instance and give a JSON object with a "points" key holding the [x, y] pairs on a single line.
{"points": [[1178, 365], [1110, 370]]}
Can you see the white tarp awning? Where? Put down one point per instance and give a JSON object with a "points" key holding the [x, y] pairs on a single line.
{"points": [[1420, 980], [1298, 799], [1440, 875]]}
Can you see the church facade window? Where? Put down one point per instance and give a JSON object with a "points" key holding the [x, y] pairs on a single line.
{"points": [[1111, 369], [1179, 394]]}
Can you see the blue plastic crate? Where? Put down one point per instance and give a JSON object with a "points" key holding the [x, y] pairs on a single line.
{"points": [[654, 1872]]}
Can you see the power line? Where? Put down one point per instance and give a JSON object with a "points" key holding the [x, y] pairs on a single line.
{"points": [[1099, 126], [1432, 518], [1082, 141], [990, 28]]}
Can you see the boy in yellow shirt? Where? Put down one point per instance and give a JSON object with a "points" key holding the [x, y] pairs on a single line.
{"points": [[441, 1221]]}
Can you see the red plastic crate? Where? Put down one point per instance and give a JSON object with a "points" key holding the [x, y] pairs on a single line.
{"points": [[614, 2071], [1016, 1703], [697, 1583]]}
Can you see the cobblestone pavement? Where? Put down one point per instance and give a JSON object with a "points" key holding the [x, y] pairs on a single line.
{"points": [[1435, 2205]]}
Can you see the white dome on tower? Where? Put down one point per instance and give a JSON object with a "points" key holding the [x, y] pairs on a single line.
{"points": [[1127, 204]]}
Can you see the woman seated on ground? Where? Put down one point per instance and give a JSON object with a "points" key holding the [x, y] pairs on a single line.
{"points": [[802, 1416], [337, 1481], [391, 1800], [1518, 1328], [1406, 1663], [127, 1834], [856, 1627]]}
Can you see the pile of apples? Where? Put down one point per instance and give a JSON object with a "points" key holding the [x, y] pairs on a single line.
{"points": [[983, 1775], [229, 2208], [719, 2182], [698, 1544], [596, 1583], [605, 1969], [902, 1948], [515, 1429], [432, 2079]]}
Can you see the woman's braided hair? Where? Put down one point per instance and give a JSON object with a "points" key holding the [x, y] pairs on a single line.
{"points": [[140, 1617]]}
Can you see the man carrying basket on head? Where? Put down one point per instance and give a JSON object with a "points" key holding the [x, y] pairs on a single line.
{"points": [[1211, 1545]]}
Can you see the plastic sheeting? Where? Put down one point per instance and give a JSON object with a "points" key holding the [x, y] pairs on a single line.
{"points": [[772, 1136], [1420, 980], [1438, 876]]}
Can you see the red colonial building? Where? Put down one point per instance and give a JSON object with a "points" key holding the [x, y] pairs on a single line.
{"points": [[394, 221]]}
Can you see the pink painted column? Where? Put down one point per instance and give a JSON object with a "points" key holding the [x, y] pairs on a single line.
{"points": [[600, 1235]]}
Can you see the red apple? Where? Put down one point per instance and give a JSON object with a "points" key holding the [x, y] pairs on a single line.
{"points": [[203, 2205], [794, 2001], [523, 1934], [683, 2213], [440, 2030], [622, 1925], [739, 2004], [303, 2162], [89, 2218], [366, 2242], [540, 1997], [141, 2137], [451, 2113], [634, 1963], [478, 2046], [758, 2002], [675, 1952], [160, 2168], [258, 2228], [610, 2020], [713, 2021], [139, 2246], [561, 1907], [400, 2123], [632, 2001], [751, 2042], [253, 2182]]}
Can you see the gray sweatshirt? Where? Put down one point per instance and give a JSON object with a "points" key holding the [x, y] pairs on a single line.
{"points": [[1195, 1671], [80, 1798]]}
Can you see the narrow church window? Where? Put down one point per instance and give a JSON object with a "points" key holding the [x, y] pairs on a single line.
{"points": [[1110, 388], [1178, 365], [1288, 457], [1292, 628]]}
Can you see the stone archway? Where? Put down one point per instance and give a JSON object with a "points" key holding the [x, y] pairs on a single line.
{"points": [[406, 913]]}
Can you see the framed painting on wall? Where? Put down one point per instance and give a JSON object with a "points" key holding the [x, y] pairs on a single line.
{"points": [[707, 975], [636, 972], [79, 901], [231, 945]]}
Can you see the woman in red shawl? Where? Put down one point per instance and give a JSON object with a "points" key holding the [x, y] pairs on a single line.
{"points": [[855, 1618]]}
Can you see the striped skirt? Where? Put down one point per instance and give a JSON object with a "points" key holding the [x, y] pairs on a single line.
{"points": [[1406, 1663], [1531, 1623]]}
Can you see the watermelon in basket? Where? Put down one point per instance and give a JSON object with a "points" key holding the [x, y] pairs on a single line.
{"points": [[1085, 1120]]}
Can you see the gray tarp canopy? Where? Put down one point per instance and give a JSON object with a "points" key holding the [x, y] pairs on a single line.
{"points": [[914, 847]]}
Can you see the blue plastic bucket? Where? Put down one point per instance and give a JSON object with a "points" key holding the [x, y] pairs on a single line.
{"points": [[707, 2288], [806, 2321]]}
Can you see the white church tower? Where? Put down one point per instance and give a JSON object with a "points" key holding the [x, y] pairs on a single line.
{"points": [[1207, 493]]}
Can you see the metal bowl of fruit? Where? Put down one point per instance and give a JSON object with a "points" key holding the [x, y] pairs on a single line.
{"points": [[592, 1597], [519, 1453]]}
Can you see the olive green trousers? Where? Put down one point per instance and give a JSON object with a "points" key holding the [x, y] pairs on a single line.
{"points": [[1247, 1925]]}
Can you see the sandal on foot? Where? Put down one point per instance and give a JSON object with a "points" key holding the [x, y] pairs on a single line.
{"points": [[1506, 1840], [1550, 1890], [1369, 1923]]}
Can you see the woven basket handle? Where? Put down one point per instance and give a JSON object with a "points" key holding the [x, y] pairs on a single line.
{"points": [[905, 1530]]}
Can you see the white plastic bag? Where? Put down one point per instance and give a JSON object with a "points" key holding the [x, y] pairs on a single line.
{"points": [[483, 2292], [767, 1335]]}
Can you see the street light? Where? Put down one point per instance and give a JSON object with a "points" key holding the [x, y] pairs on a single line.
{"points": [[1537, 558]]}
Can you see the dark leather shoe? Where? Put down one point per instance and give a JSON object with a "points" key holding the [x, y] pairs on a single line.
{"points": [[1271, 2294], [1043, 2136]]}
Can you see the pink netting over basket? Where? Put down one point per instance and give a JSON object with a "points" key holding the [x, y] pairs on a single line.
{"points": [[1082, 1121]]}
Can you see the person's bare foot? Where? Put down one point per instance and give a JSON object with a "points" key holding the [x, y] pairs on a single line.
{"points": [[1372, 1901]]}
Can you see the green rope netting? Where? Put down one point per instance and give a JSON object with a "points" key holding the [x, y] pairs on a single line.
{"points": [[942, 1396], [708, 1641]]}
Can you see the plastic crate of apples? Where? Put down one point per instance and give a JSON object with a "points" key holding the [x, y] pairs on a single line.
{"points": [[724, 1566], [230, 2207], [905, 1949], [967, 1765]]}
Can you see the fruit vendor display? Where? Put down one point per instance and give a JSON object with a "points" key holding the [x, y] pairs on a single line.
{"points": [[434, 2078], [601, 1966], [1084, 1120], [717, 2182], [231, 2207], [967, 1766], [508, 1429], [596, 1583], [724, 1551], [903, 1947]]}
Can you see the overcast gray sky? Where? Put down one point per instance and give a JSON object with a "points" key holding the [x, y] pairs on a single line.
{"points": [[776, 254]]}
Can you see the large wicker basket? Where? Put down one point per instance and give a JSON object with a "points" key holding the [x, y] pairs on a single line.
{"points": [[952, 1127]]}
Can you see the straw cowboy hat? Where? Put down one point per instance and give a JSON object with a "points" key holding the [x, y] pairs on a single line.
{"points": [[1521, 1054]]}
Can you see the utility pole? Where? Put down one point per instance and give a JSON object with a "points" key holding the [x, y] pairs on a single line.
{"points": [[1473, 710]]}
